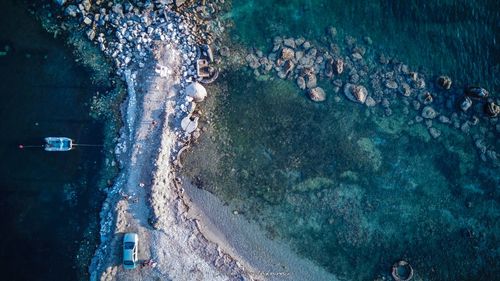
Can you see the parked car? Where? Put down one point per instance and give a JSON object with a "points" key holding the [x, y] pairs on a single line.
{"points": [[130, 244]]}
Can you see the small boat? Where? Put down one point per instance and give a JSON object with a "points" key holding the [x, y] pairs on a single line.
{"points": [[58, 144]]}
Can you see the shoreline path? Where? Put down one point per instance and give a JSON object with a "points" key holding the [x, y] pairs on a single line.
{"points": [[176, 246]]}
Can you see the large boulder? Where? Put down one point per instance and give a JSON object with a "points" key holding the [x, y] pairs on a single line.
{"points": [[317, 94], [355, 93], [196, 91]]}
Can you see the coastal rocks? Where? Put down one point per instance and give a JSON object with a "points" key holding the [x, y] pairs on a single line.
{"points": [[370, 102], [189, 124], [301, 83], [405, 90], [253, 61], [391, 84], [476, 92], [289, 42], [435, 133], [492, 109], [287, 54], [425, 98], [196, 91], [429, 113], [329, 68], [311, 81], [444, 82], [355, 93], [339, 66], [317, 94], [465, 104], [71, 10], [288, 67]]}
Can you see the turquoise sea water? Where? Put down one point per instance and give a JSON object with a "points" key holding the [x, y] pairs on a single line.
{"points": [[49, 201], [347, 186]]}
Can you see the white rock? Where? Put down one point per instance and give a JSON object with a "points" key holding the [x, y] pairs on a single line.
{"points": [[189, 124], [196, 91]]}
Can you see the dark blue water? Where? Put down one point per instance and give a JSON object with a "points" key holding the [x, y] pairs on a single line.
{"points": [[49, 201]]}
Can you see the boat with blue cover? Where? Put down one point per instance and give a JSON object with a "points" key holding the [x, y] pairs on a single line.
{"points": [[58, 144]]}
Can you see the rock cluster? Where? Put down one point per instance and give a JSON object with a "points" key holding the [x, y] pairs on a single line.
{"points": [[376, 81], [129, 32]]}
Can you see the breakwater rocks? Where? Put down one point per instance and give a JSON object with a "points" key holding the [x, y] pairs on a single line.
{"points": [[367, 76], [130, 33]]}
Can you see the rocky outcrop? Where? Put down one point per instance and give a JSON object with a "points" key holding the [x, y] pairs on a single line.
{"points": [[355, 93], [444, 82], [317, 94], [492, 109]]}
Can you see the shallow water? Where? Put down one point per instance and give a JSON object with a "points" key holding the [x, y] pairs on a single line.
{"points": [[49, 201], [345, 185]]}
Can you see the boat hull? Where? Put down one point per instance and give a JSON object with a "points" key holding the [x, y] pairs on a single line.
{"points": [[58, 144]]}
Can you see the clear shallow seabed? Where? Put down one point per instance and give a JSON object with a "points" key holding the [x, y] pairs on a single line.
{"points": [[49, 201], [344, 185]]}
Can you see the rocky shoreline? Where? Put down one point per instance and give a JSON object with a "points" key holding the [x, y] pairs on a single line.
{"points": [[155, 48]]}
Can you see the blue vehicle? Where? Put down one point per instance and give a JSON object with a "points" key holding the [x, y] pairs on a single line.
{"points": [[130, 245]]}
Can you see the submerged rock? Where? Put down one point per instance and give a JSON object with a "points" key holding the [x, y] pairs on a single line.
{"points": [[301, 83], [435, 133], [196, 91], [317, 94], [429, 113], [425, 98], [71, 10], [311, 81], [371, 152], [405, 90], [313, 184], [339, 66], [355, 93], [391, 84], [370, 102], [329, 68], [476, 92], [492, 109], [466, 104], [444, 82]]}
